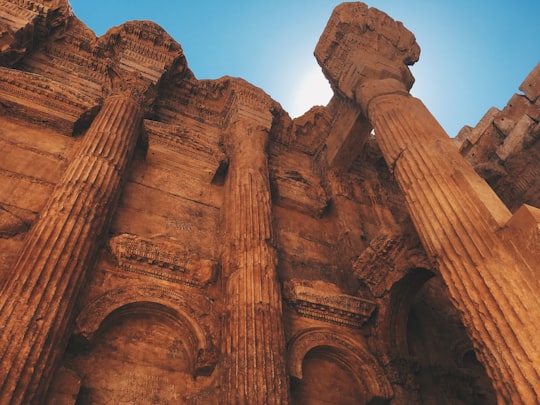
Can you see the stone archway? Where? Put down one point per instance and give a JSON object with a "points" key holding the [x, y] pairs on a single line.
{"points": [[141, 345], [354, 377], [186, 309]]}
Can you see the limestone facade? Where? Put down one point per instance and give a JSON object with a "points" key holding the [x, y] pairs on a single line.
{"points": [[170, 240]]}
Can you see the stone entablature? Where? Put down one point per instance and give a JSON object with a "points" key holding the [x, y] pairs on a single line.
{"points": [[163, 260], [321, 301]]}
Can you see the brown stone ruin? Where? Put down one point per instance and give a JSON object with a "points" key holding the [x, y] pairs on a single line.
{"points": [[168, 240]]}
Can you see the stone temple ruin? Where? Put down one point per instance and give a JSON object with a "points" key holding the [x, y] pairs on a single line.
{"points": [[169, 240]]}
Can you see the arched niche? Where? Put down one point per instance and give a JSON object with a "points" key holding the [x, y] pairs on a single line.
{"points": [[185, 310], [394, 318], [142, 344], [139, 354], [350, 374]]}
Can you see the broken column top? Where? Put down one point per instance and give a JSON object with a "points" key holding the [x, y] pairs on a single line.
{"points": [[361, 43]]}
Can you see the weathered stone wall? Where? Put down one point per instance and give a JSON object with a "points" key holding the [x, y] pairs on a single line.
{"points": [[200, 246], [503, 147]]}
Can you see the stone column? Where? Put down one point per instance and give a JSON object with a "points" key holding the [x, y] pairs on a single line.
{"points": [[456, 214], [493, 287], [253, 338], [38, 302]]}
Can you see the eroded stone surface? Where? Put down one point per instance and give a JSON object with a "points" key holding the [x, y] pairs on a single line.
{"points": [[171, 240]]}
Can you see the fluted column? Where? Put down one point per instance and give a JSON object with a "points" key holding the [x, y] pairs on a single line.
{"points": [[254, 343], [37, 303], [459, 218], [493, 287]]}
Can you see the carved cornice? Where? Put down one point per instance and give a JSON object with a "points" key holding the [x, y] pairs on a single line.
{"points": [[163, 260], [40, 99], [130, 60], [25, 23], [386, 260], [193, 152], [196, 101], [16, 32], [138, 55], [323, 304]]}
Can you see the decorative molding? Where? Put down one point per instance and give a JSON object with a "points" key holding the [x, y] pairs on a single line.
{"points": [[16, 32], [347, 350], [193, 312], [326, 305], [352, 51], [386, 260], [162, 259], [193, 152], [248, 104], [42, 100]]}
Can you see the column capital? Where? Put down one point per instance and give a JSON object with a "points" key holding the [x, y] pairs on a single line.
{"points": [[368, 90], [248, 122], [249, 107], [139, 56], [131, 85], [361, 45]]}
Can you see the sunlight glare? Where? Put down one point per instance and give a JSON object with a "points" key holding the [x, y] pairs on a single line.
{"points": [[312, 90]]}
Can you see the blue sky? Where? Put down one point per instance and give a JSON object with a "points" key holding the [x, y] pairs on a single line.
{"points": [[475, 53]]}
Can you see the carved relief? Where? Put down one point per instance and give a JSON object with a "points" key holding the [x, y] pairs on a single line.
{"points": [[162, 259], [319, 300], [352, 51], [24, 24]]}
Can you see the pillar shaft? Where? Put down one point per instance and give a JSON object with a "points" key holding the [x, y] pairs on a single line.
{"points": [[254, 342], [37, 303], [459, 219]]}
